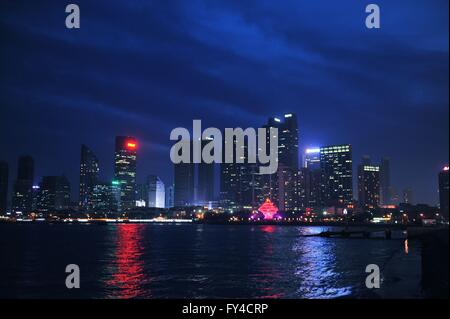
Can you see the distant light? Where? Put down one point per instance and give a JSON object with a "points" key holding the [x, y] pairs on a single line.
{"points": [[35, 187], [287, 115], [131, 145], [446, 168], [276, 119], [115, 183], [313, 150]]}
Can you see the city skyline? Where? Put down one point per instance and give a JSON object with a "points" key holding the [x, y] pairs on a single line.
{"points": [[387, 99]]}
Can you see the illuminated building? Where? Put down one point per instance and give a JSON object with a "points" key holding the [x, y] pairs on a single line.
{"points": [[385, 182], [281, 187], [309, 187], [22, 197], [184, 184], [4, 172], [312, 158], [54, 194], [169, 196], [268, 209], [369, 186], [443, 192], [337, 175], [103, 199], [205, 187], [156, 192], [89, 169], [125, 170]]}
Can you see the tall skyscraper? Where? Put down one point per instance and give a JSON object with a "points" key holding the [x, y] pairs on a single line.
{"points": [[102, 199], [443, 192], [89, 169], [312, 158], [282, 185], [4, 174], [125, 170], [309, 187], [184, 180], [156, 192], [169, 196], [22, 197], [368, 185], [337, 175], [54, 194], [205, 187], [385, 182]]}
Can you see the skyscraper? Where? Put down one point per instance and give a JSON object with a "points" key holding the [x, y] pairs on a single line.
{"points": [[169, 196], [205, 187], [54, 194], [385, 182], [368, 185], [337, 175], [102, 199], [89, 169], [22, 197], [4, 172], [125, 170], [156, 192], [312, 158], [443, 191], [184, 184]]}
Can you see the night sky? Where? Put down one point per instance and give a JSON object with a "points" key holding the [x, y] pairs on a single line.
{"points": [[143, 69]]}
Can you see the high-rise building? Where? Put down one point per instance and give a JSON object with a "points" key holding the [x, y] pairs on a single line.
{"points": [[282, 185], [309, 187], [89, 170], [184, 184], [385, 182], [22, 197], [312, 158], [102, 199], [54, 194], [169, 196], [4, 172], [408, 196], [125, 170], [337, 175], [443, 191], [368, 185], [156, 192]]}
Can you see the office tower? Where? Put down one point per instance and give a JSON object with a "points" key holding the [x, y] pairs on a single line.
{"points": [[54, 194], [443, 191], [184, 184], [89, 169], [169, 196], [4, 172], [156, 192], [368, 185], [205, 187], [385, 182], [337, 175], [103, 199], [282, 185], [125, 170], [312, 159], [408, 196], [309, 187], [142, 195], [22, 197]]}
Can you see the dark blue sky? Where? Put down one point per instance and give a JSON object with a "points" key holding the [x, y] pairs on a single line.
{"points": [[144, 69]]}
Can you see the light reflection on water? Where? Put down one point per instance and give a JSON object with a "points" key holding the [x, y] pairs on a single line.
{"points": [[194, 261]]}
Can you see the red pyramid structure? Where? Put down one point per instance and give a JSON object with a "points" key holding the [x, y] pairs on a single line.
{"points": [[268, 209]]}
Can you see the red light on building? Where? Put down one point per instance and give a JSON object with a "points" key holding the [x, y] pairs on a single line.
{"points": [[131, 145]]}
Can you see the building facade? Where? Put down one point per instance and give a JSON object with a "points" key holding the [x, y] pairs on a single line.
{"points": [[125, 170], [23, 186], [369, 186], [89, 169], [443, 191], [4, 179]]}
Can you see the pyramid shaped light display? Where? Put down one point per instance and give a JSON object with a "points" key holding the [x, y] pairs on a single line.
{"points": [[268, 209]]}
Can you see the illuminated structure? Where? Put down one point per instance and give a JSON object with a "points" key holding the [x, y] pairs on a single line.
{"points": [[312, 158], [88, 176], [102, 199], [268, 209], [4, 172], [205, 187], [54, 194], [22, 197], [369, 186], [156, 192], [309, 179], [443, 191], [337, 175], [125, 170]]}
